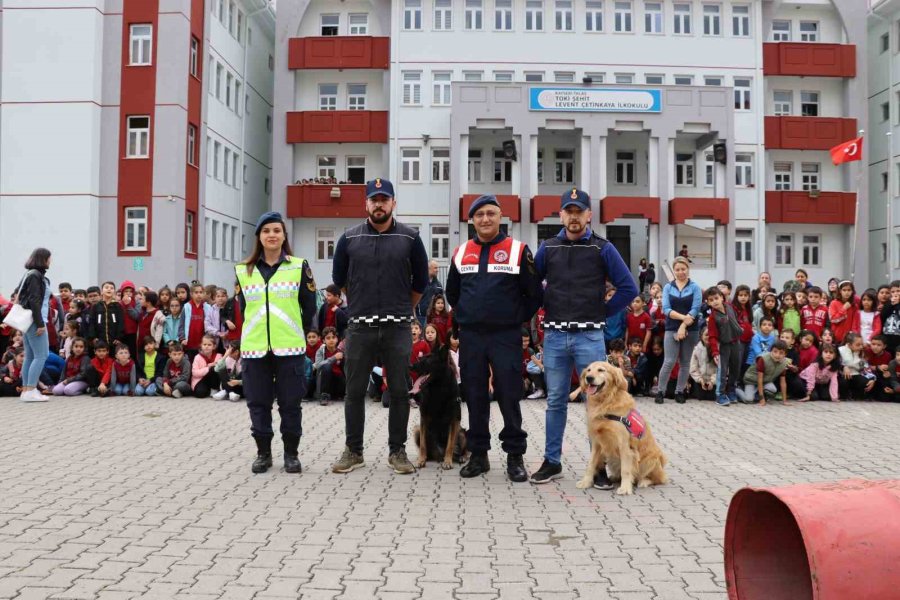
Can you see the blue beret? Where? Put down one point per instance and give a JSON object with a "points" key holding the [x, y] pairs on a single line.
{"points": [[268, 217], [379, 186], [481, 201], [575, 197]]}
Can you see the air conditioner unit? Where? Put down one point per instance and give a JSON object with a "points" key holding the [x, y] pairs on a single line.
{"points": [[335, 192]]}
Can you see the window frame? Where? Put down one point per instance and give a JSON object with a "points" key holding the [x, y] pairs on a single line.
{"points": [[740, 21], [784, 242], [475, 164], [357, 28], [712, 21], [136, 224], [440, 165], [348, 166], [685, 169], [442, 15], [625, 24], [743, 94], [810, 180], [192, 158], [357, 100], [190, 221], [682, 20], [502, 172], [654, 17], [141, 135], [473, 17], [783, 178], [561, 166], [811, 35], [326, 242], [625, 167], [442, 252], [814, 99], [593, 16], [503, 16], [743, 240], [744, 175], [534, 15], [336, 26], [327, 101], [411, 81], [410, 166], [783, 107], [563, 16], [809, 247], [139, 44], [194, 61], [412, 15], [326, 165], [782, 35]]}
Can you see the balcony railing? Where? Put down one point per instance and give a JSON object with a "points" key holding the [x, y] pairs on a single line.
{"points": [[339, 52], [807, 133], [809, 59], [336, 126], [825, 208], [326, 201]]}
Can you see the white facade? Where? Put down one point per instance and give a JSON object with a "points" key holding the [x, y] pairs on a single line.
{"points": [[238, 149]]}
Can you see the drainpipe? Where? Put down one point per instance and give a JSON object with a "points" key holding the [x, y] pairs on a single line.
{"points": [[888, 200]]}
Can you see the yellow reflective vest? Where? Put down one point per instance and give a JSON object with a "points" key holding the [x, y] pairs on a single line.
{"points": [[272, 317]]}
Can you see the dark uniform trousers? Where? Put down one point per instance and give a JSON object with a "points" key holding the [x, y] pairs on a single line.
{"points": [[391, 344], [501, 350], [271, 377]]}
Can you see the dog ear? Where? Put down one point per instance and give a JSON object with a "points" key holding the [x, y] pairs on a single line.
{"points": [[619, 378]]}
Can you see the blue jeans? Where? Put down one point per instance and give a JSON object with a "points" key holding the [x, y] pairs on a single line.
{"points": [[563, 352], [140, 390], [121, 389], [37, 347]]}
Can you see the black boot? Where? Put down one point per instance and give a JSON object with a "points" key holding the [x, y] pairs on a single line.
{"points": [[478, 464], [659, 397], [291, 461], [679, 397], [515, 468], [263, 453]]}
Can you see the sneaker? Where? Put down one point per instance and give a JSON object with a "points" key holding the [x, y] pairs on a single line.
{"points": [[234, 396], [723, 400], [654, 390], [176, 394], [659, 397], [538, 393], [32, 396], [220, 395], [348, 462], [324, 399], [602, 480], [547, 473], [400, 463], [679, 397], [732, 396]]}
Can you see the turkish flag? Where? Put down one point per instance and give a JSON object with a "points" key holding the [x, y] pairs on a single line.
{"points": [[847, 152]]}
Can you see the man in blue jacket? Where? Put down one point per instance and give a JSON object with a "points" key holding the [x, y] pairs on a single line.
{"points": [[576, 265]]}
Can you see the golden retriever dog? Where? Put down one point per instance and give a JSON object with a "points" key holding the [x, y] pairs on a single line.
{"points": [[629, 458]]}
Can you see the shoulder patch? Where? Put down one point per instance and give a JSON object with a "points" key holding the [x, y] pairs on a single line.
{"points": [[307, 272]]}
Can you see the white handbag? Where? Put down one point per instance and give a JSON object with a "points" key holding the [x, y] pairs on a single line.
{"points": [[19, 317]]}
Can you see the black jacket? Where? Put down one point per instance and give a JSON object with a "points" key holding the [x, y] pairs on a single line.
{"points": [[31, 296], [106, 322], [340, 319], [159, 361]]}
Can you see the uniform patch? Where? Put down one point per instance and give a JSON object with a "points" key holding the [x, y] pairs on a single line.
{"points": [[378, 182], [501, 256], [307, 272], [574, 194]]}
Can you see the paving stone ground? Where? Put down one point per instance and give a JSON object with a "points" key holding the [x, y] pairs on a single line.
{"points": [[153, 498]]}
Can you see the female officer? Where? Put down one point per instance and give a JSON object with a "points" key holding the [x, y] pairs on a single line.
{"points": [[278, 304]]}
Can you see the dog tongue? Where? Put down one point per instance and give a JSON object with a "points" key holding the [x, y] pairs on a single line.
{"points": [[592, 389]]}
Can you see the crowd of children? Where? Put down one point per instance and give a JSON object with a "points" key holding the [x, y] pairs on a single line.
{"points": [[804, 343]]}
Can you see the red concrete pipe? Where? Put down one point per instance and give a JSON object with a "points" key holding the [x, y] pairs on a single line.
{"points": [[826, 541]]}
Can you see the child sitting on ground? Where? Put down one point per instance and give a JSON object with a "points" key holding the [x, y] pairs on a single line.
{"points": [[72, 377], [821, 376], [228, 369], [123, 376], [703, 369], [761, 375], [175, 379], [203, 374]]}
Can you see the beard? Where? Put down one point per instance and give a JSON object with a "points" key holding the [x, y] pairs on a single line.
{"points": [[576, 227], [381, 219]]}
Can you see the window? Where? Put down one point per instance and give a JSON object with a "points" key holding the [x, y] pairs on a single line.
{"points": [[743, 245], [220, 76], [443, 15], [246, 176], [356, 169], [563, 15], [474, 166], [885, 111], [783, 102], [206, 229], [136, 228], [474, 14], [441, 94], [192, 145], [681, 19], [195, 56], [232, 10], [502, 167], [700, 237], [784, 173], [410, 165], [564, 166], [809, 31], [208, 156], [784, 250], [412, 14], [269, 123], [271, 63], [684, 169], [653, 17], [327, 166], [356, 96], [239, 27], [503, 15], [189, 245], [741, 93], [534, 76], [325, 244], [440, 165], [809, 176], [247, 104], [141, 45], [237, 97], [228, 81], [709, 169], [624, 78], [534, 15], [472, 75], [564, 77], [249, 42], [740, 20], [330, 24], [809, 250], [540, 166], [809, 104], [503, 76], [743, 170], [226, 164], [593, 16], [214, 239], [359, 24], [412, 88], [328, 96], [138, 137], [884, 181], [217, 147], [625, 167], [712, 81], [654, 79], [781, 31], [623, 17], [440, 242], [234, 248], [684, 80], [712, 24], [595, 77], [234, 169]]}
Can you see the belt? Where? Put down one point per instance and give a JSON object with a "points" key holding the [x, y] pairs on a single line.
{"points": [[573, 325], [376, 320]]}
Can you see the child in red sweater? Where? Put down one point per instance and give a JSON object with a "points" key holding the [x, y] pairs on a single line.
{"points": [[639, 323], [439, 316], [100, 371], [123, 375], [11, 374]]}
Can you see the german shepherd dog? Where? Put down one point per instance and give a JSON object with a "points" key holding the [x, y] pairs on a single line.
{"points": [[439, 435]]}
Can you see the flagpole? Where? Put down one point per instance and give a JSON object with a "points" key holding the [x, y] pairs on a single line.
{"points": [[853, 242]]}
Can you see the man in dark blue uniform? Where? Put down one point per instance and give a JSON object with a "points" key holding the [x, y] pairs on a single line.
{"points": [[577, 264], [494, 287]]}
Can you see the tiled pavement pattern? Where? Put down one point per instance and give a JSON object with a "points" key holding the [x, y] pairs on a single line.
{"points": [[153, 498]]}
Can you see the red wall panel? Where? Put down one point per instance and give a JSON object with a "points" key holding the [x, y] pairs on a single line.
{"points": [[810, 59], [339, 52], [808, 133], [829, 208], [616, 207], [325, 126], [315, 201], [682, 209]]}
